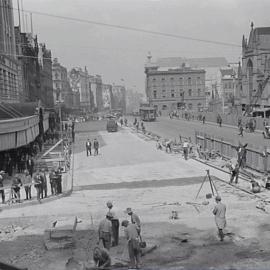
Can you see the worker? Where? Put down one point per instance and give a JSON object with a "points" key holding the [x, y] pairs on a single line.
{"points": [[132, 237], [255, 186], [234, 168], [101, 257], [105, 231], [88, 147], [115, 225], [220, 219], [134, 218], [185, 149]]}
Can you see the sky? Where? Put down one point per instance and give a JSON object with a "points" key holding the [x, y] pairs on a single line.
{"points": [[119, 55]]}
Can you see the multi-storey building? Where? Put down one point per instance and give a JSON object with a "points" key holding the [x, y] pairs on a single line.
{"points": [[255, 72], [171, 88], [119, 97], [96, 92], [9, 91], [80, 82], [62, 92]]}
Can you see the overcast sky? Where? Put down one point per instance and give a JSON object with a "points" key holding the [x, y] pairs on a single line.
{"points": [[117, 54]]}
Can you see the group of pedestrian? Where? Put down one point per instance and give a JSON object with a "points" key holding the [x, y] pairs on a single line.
{"points": [[123, 122], [88, 146], [108, 234]]}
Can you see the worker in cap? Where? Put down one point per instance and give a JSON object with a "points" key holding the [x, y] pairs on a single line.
{"points": [[134, 218], [115, 224], [220, 216], [105, 231]]}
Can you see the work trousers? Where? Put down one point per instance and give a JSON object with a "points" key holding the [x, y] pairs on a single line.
{"points": [[3, 195], [134, 252], [185, 153], [221, 234], [28, 192], [234, 174], [115, 232], [106, 239], [88, 151]]}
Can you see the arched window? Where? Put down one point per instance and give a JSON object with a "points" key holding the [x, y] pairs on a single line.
{"points": [[190, 92], [189, 81], [250, 76]]}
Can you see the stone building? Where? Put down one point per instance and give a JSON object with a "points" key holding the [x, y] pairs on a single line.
{"points": [[62, 92], [175, 87], [80, 83], [119, 98], [255, 72], [9, 91], [96, 92]]}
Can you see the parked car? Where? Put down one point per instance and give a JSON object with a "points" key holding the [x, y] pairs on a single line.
{"points": [[112, 125]]}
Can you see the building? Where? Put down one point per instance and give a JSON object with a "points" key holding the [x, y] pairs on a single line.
{"points": [[29, 70], [107, 96], [171, 86], [46, 82], [96, 92], [133, 100], [228, 84], [255, 71], [119, 98], [62, 92], [9, 91], [80, 83]]}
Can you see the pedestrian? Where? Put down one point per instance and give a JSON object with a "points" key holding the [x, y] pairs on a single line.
{"points": [[203, 119], [234, 172], [242, 155], [121, 122], [51, 177], [58, 181], [30, 165], [126, 122], [44, 184], [168, 146], [88, 146], [2, 191], [27, 180], [101, 258], [96, 146], [241, 129], [134, 218], [37, 185], [137, 126], [132, 237], [105, 231], [220, 219], [186, 149], [115, 225], [15, 187]]}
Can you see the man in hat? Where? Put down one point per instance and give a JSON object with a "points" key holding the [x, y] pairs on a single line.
{"points": [[44, 184], [96, 146], [88, 146], [105, 231], [220, 212], [115, 224], [2, 191], [132, 236], [134, 218], [101, 257], [27, 180]]}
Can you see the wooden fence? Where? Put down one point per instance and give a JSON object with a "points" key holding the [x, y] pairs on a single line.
{"points": [[258, 158]]}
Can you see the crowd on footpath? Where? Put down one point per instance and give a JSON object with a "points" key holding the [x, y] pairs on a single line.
{"points": [[108, 237], [139, 125]]}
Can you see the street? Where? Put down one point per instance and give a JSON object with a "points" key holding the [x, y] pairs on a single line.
{"points": [[172, 128], [131, 172]]}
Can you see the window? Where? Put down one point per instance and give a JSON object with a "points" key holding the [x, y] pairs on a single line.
{"points": [[155, 94], [154, 79], [164, 107], [198, 80], [190, 92], [189, 81], [190, 106], [225, 85], [181, 81], [172, 78], [163, 79], [199, 92], [172, 93]]}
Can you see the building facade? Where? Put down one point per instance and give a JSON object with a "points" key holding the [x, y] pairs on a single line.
{"points": [[62, 92], [9, 90], [80, 83], [119, 98], [172, 88], [96, 92], [255, 72]]}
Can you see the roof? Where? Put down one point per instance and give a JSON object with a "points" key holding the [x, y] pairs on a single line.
{"points": [[192, 62], [262, 30]]}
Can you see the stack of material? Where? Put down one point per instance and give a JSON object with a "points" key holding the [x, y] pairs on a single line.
{"points": [[61, 235]]}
